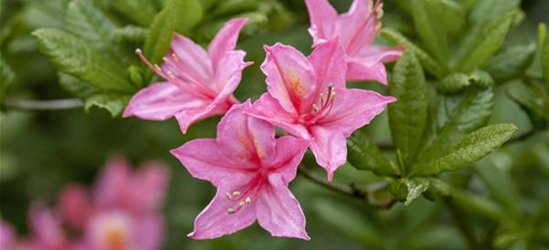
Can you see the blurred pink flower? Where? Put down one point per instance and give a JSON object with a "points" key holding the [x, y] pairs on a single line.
{"points": [[199, 84], [355, 30], [46, 231], [7, 236], [251, 170], [307, 98]]}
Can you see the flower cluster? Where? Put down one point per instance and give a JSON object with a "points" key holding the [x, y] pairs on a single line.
{"points": [[122, 212], [307, 97]]}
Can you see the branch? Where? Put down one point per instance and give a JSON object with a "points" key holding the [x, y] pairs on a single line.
{"points": [[60, 104]]}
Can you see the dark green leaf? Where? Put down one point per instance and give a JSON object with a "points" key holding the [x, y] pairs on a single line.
{"points": [[160, 34], [426, 60], [86, 21], [75, 86], [532, 102], [365, 155], [408, 115], [427, 18], [131, 34], [6, 78], [188, 14], [140, 11], [228, 7], [454, 83], [114, 103], [544, 54], [487, 10], [467, 151], [500, 184], [407, 190], [510, 63], [481, 79], [482, 42], [73, 56]]}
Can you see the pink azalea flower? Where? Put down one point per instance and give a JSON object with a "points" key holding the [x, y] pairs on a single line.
{"points": [[355, 30], [7, 236], [307, 98], [251, 171], [47, 233], [199, 84]]}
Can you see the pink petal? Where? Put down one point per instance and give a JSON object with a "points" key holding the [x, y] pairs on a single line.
{"points": [[279, 212], [290, 78], [214, 221], [7, 236], [375, 54], [193, 63], [149, 187], [287, 156], [114, 180], [330, 66], [148, 232], [354, 108], [268, 109], [323, 17], [245, 137], [329, 147], [226, 39], [357, 28], [75, 206], [161, 101], [359, 71], [206, 161], [46, 228]]}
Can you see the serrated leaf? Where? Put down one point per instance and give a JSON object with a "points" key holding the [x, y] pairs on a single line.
{"points": [[75, 86], [427, 15], [140, 11], [408, 115], [188, 14], [467, 151], [73, 56], [114, 103], [510, 63], [408, 190], [364, 154], [482, 42], [160, 34], [487, 10], [426, 60], [6, 78]]}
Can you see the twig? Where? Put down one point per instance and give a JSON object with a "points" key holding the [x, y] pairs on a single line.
{"points": [[465, 228], [342, 189], [43, 104]]}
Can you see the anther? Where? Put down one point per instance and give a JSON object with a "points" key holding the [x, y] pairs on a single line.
{"points": [[248, 200], [229, 196], [175, 57], [315, 108], [230, 211]]}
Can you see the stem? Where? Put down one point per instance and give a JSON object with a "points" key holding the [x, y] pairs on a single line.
{"points": [[463, 226], [60, 104], [342, 189]]}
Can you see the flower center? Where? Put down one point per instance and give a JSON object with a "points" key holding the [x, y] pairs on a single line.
{"points": [[190, 85], [325, 105], [247, 195]]}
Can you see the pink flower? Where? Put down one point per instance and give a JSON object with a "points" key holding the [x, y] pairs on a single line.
{"points": [[355, 30], [307, 98], [47, 233], [7, 236], [198, 85], [251, 171]]}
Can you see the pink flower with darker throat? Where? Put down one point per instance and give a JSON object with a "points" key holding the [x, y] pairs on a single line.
{"points": [[307, 98], [199, 84], [355, 30], [251, 171]]}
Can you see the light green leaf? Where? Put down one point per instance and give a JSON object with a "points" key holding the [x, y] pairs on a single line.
{"points": [[86, 21], [426, 60], [408, 115], [487, 10], [6, 78], [427, 16], [544, 54], [160, 34], [510, 63], [482, 42], [364, 154], [467, 151], [188, 14], [75, 86], [131, 34], [73, 56], [408, 190], [114, 103], [140, 11]]}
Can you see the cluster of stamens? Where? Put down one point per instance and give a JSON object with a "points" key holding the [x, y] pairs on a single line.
{"points": [[326, 103], [168, 74], [245, 198], [235, 197]]}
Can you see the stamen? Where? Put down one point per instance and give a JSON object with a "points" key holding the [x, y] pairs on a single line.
{"points": [[230, 211], [251, 191], [154, 67], [315, 108], [175, 57]]}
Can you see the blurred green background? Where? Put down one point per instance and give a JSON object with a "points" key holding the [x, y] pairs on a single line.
{"points": [[41, 152]]}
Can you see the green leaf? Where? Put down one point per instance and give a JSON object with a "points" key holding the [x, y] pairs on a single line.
{"points": [[499, 182], [86, 21], [467, 151], [73, 56], [482, 42], [510, 63], [408, 190], [140, 11], [188, 14], [114, 103], [426, 60], [6, 78], [75, 86], [131, 34], [160, 34], [487, 10], [408, 115], [544, 54], [459, 81], [427, 16], [364, 154], [532, 102], [229, 7]]}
